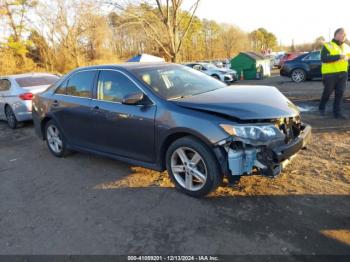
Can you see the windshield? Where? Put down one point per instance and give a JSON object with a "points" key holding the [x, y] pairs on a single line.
{"points": [[175, 81], [30, 81]]}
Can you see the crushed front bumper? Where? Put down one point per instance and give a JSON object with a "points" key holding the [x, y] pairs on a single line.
{"points": [[275, 158], [284, 152], [267, 160]]}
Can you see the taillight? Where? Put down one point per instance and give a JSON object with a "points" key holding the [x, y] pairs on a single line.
{"points": [[26, 96]]}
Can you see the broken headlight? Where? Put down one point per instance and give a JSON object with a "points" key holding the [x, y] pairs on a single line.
{"points": [[253, 132]]}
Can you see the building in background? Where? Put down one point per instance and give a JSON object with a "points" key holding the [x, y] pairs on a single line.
{"points": [[251, 65]]}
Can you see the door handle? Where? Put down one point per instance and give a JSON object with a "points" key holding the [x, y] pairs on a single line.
{"points": [[55, 103], [96, 110]]}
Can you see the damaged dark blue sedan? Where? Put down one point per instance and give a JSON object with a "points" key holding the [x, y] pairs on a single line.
{"points": [[171, 117]]}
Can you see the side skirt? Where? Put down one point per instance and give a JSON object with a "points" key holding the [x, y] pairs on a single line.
{"points": [[153, 166]]}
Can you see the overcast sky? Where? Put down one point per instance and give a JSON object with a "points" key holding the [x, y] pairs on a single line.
{"points": [[301, 20]]}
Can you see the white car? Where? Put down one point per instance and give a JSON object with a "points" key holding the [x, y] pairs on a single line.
{"points": [[225, 75], [17, 92], [277, 60]]}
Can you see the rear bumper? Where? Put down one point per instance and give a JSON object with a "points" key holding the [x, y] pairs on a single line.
{"points": [[24, 116], [284, 72], [22, 110]]}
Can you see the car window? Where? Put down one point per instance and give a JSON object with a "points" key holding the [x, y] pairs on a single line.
{"points": [[80, 84], [30, 81], [113, 86], [313, 56], [198, 67], [5, 85], [61, 90]]}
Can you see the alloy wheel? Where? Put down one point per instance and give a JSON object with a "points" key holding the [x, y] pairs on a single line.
{"points": [[54, 139], [188, 168], [298, 76]]}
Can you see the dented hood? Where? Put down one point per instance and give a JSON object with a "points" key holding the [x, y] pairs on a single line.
{"points": [[243, 102]]}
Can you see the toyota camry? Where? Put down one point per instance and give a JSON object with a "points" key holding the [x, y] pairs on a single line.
{"points": [[171, 117]]}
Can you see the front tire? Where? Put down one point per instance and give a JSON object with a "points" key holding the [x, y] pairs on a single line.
{"points": [[55, 139], [11, 118], [298, 75], [193, 167]]}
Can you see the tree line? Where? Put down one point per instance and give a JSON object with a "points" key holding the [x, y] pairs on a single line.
{"points": [[59, 35]]}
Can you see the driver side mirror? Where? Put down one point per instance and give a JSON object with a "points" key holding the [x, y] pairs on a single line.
{"points": [[133, 98]]}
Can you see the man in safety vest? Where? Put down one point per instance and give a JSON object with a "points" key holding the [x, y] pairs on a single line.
{"points": [[335, 57]]}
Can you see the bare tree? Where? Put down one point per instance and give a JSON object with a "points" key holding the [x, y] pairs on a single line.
{"points": [[233, 40], [161, 22], [15, 11]]}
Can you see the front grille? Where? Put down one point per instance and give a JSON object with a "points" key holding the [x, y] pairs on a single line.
{"points": [[290, 126], [226, 78]]}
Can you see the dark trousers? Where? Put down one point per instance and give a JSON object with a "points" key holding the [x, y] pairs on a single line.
{"points": [[337, 83]]}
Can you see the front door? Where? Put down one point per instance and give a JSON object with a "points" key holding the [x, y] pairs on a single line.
{"points": [[123, 130]]}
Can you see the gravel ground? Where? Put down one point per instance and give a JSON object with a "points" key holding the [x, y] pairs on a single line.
{"points": [[85, 204]]}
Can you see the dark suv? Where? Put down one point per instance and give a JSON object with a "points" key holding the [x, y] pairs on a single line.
{"points": [[166, 116]]}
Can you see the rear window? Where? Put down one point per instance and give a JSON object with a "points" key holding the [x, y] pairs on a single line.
{"points": [[29, 81]]}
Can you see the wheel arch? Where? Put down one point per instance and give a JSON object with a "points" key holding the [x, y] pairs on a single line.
{"points": [[43, 125], [215, 75], [7, 105], [172, 137], [301, 67]]}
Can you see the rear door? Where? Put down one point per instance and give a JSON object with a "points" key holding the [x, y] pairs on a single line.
{"points": [[71, 107], [124, 130]]}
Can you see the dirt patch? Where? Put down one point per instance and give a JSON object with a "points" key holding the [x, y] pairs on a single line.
{"points": [[324, 168]]}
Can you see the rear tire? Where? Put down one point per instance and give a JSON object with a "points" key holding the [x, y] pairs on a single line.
{"points": [[193, 167], [55, 139], [11, 118], [298, 75]]}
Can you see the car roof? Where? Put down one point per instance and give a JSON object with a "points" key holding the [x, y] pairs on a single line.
{"points": [[27, 75], [203, 63], [128, 66], [197, 63]]}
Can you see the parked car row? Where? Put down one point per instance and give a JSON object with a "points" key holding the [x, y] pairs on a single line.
{"points": [[164, 117], [287, 57], [225, 75], [223, 63]]}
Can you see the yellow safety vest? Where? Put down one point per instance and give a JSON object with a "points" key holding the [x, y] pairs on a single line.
{"points": [[337, 66]]}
